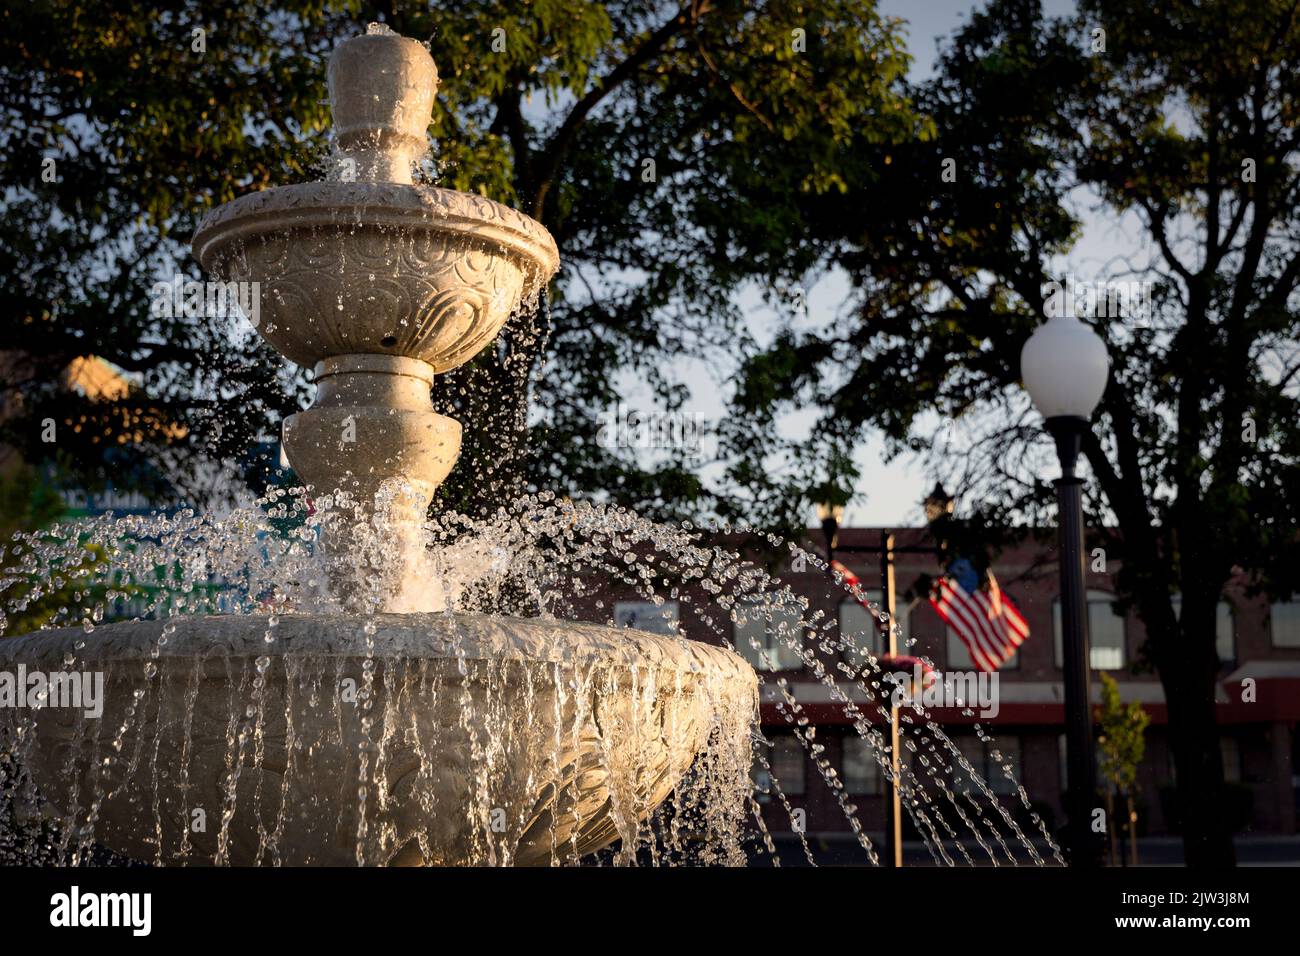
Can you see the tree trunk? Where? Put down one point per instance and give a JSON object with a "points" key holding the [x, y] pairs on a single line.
{"points": [[1111, 828], [1198, 762], [1132, 827]]}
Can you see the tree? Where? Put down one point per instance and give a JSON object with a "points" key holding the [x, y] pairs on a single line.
{"points": [[121, 124], [1180, 120], [625, 127], [661, 112], [1121, 742]]}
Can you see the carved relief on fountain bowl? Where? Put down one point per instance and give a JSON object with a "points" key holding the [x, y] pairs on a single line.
{"points": [[347, 268]]}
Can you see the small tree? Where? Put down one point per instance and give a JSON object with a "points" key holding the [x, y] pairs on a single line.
{"points": [[40, 596], [1119, 751]]}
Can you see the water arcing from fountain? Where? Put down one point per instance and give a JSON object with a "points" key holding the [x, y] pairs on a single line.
{"points": [[329, 676], [385, 723]]}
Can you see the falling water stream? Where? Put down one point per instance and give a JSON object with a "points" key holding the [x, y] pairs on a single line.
{"points": [[537, 559]]}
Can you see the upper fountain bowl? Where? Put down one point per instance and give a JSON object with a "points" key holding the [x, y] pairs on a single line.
{"points": [[345, 268], [370, 262]]}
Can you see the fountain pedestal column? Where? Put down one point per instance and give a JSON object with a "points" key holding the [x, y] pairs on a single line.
{"points": [[372, 421], [372, 432]]}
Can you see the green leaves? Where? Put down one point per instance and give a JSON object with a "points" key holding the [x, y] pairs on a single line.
{"points": [[1121, 739], [116, 135], [669, 149], [949, 271]]}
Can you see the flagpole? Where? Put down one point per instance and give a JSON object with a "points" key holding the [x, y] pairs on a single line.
{"points": [[893, 855], [938, 508]]}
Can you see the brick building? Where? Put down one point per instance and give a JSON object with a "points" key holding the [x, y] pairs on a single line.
{"points": [[1257, 639]]}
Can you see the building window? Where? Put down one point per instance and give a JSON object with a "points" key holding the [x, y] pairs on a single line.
{"points": [[1285, 619], [859, 627], [647, 616], [861, 773], [1224, 629], [959, 658], [992, 760], [1105, 632], [772, 652], [787, 761], [858, 633]]}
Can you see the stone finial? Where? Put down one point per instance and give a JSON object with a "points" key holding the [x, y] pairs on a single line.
{"points": [[381, 88]]}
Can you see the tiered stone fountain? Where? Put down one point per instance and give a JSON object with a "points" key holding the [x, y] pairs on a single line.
{"points": [[475, 738]]}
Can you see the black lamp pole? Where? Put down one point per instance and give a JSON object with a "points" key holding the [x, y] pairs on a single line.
{"points": [[1065, 370], [1084, 845]]}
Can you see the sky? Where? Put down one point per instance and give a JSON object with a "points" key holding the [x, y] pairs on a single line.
{"points": [[889, 493]]}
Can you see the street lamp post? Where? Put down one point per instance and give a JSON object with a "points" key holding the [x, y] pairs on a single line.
{"points": [[830, 516], [1065, 368]]}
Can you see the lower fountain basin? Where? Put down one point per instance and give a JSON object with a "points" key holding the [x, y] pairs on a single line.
{"points": [[436, 739]]}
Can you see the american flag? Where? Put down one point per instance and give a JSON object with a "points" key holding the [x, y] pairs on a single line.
{"points": [[987, 622], [854, 584]]}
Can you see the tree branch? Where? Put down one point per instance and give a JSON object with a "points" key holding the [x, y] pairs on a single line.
{"points": [[551, 157]]}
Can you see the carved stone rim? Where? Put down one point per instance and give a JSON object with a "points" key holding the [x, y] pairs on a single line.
{"points": [[429, 636], [370, 206]]}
